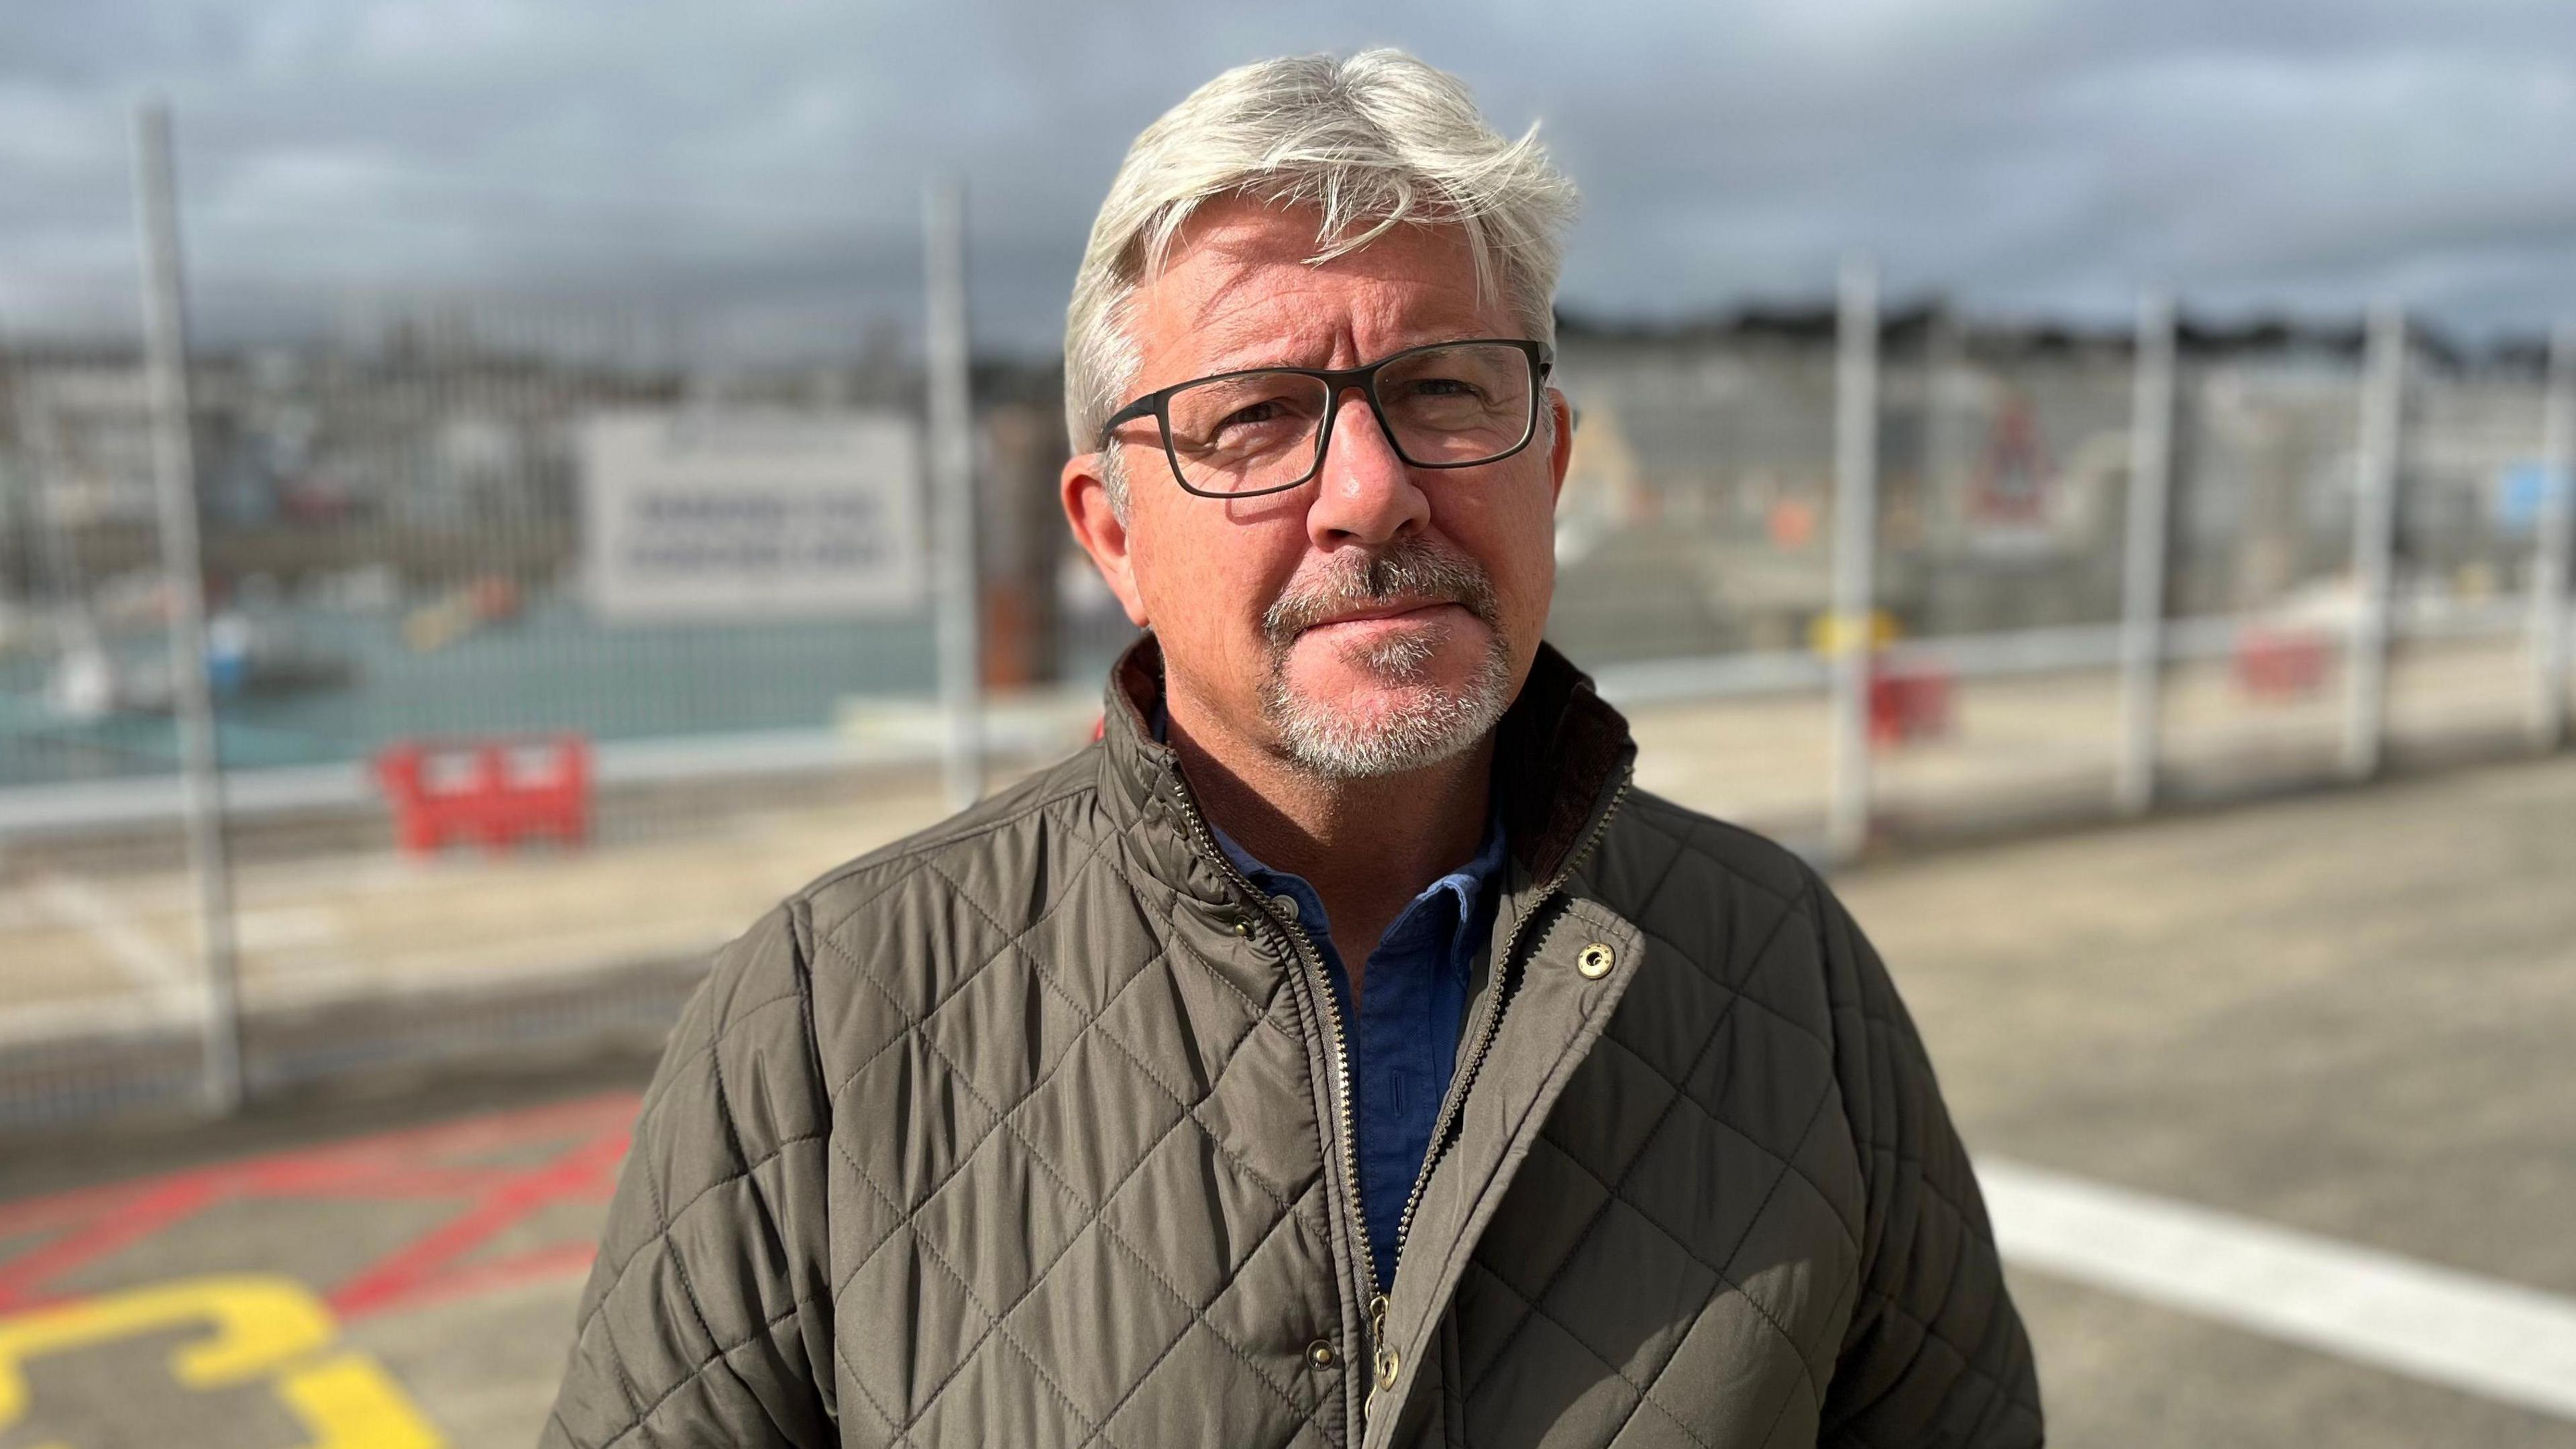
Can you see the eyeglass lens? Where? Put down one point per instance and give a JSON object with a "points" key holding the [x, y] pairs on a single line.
{"points": [[1445, 406]]}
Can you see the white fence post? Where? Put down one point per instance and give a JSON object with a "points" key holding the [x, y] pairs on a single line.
{"points": [[2551, 542], [174, 466], [952, 491], [2374, 518], [2142, 580], [1855, 545]]}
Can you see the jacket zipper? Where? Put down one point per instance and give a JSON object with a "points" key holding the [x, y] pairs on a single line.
{"points": [[1490, 1021], [1302, 946]]}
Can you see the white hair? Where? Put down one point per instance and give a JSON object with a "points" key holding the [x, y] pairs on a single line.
{"points": [[1372, 142]]}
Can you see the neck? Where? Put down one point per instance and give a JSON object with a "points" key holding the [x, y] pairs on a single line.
{"points": [[1368, 846]]}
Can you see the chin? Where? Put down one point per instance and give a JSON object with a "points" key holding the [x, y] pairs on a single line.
{"points": [[1388, 706]]}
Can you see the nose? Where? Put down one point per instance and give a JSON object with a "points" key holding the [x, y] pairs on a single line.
{"points": [[1365, 495]]}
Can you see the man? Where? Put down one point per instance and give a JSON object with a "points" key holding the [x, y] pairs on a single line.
{"points": [[1340, 1050]]}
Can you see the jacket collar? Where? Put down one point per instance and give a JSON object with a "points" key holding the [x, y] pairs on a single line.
{"points": [[1559, 754]]}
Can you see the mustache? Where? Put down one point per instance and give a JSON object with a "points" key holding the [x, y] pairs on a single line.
{"points": [[1411, 568]]}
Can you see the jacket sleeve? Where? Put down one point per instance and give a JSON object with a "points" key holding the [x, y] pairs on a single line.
{"points": [[1936, 1354], [707, 1319]]}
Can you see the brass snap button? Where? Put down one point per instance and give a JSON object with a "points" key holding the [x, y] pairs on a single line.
{"points": [[1595, 962], [1242, 927], [1320, 1353]]}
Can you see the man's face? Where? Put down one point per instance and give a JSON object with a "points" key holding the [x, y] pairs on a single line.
{"points": [[1377, 617]]}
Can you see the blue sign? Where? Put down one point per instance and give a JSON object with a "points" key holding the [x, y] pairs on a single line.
{"points": [[2523, 490]]}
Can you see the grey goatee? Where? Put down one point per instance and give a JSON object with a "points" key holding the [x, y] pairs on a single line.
{"points": [[1324, 735]]}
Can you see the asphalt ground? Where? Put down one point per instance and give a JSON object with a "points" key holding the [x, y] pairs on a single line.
{"points": [[2349, 1014], [2345, 1014]]}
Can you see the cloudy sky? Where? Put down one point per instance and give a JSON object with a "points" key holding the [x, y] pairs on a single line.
{"points": [[759, 162]]}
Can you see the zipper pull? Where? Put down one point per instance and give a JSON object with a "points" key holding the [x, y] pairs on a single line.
{"points": [[1384, 1358]]}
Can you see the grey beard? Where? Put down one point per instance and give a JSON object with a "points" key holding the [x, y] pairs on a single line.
{"points": [[1328, 743]]}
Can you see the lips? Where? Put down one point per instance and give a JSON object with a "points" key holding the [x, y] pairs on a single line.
{"points": [[1392, 610]]}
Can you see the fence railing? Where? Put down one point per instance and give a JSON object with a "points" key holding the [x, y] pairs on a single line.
{"points": [[1853, 574]]}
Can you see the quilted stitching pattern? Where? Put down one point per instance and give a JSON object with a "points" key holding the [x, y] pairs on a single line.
{"points": [[999, 1137], [1704, 1159], [1699, 1072], [1134, 1140]]}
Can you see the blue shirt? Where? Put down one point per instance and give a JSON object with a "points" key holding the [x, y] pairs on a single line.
{"points": [[1403, 1038]]}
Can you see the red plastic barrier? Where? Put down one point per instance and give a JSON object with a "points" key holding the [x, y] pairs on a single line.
{"points": [[2280, 663], [1907, 704], [497, 791]]}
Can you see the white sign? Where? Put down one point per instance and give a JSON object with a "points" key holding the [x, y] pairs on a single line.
{"points": [[751, 514]]}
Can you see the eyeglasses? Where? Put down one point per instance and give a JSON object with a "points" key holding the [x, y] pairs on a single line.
{"points": [[1448, 405]]}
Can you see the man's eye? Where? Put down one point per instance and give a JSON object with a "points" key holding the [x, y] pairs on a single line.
{"points": [[1260, 412], [1443, 387]]}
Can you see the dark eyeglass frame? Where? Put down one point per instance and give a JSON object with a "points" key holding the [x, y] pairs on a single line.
{"points": [[1157, 405]]}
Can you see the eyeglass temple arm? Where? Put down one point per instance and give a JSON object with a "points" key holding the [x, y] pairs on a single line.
{"points": [[1142, 407]]}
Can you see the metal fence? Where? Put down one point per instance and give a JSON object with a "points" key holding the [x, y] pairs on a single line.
{"points": [[449, 676], [2092, 570], [1852, 573]]}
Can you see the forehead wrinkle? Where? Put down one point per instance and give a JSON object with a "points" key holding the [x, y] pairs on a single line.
{"points": [[1253, 317], [1242, 283], [1268, 314]]}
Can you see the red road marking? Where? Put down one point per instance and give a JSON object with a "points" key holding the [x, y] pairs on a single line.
{"points": [[37, 1214], [560, 1261], [140, 1217], [96, 1223], [401, 1274], [335, 1179]]}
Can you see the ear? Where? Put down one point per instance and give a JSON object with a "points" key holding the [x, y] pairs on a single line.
{"points": [[1102, 533], [1560, 450]]}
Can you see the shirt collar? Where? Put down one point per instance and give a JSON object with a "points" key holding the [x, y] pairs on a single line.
{"points": [[1467, 883]]}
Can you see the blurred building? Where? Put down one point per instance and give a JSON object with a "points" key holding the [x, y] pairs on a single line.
{"points": [[1697, 512]]}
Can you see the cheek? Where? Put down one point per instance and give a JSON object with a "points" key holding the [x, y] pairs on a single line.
{"points": [[1513, 534], [1205, 582], [1536, 531]]}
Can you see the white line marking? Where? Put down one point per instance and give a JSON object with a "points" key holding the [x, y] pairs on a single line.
{"points": [[46, 1023], [2499, 1340], [147, 962], [286, 928]]}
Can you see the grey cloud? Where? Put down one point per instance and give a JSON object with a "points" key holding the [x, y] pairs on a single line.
{"points": [[766, 156]]}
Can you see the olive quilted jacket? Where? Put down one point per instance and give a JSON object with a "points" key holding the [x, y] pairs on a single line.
{"points": [[1030, 1130]]}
